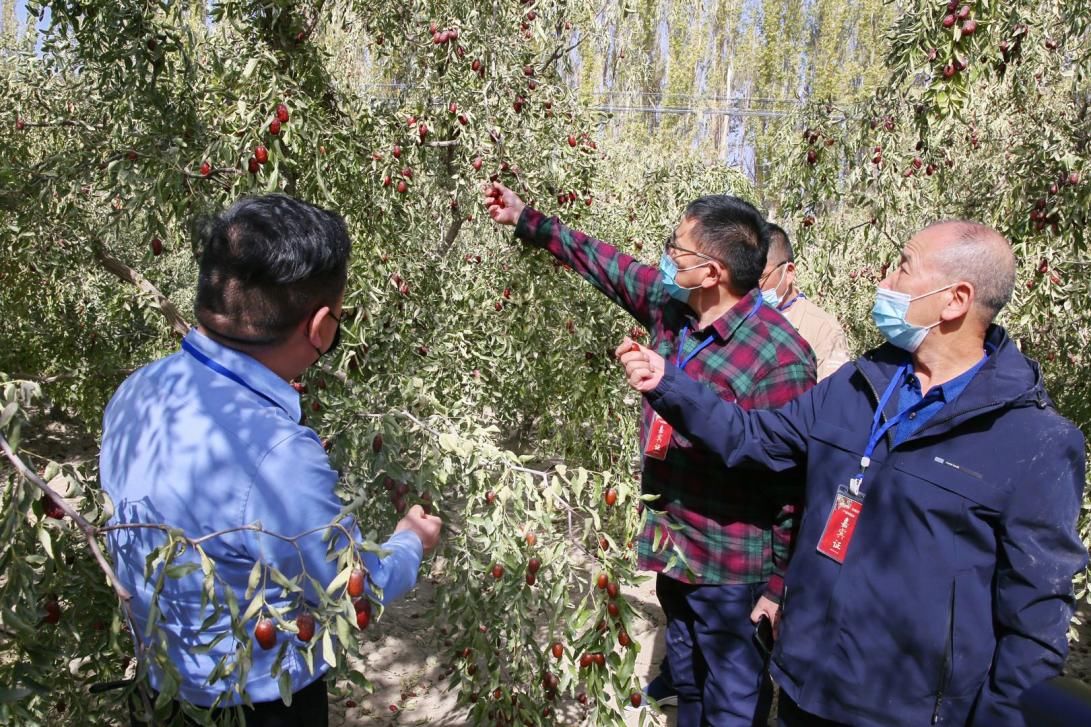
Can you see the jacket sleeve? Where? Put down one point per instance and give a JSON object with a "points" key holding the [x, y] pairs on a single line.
{"points": [[292, 493], [778, 388], [1039, 553], [636, 287], [774, 439]]}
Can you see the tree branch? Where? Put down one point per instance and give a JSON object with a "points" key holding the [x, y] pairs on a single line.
{"points": [[61, 122], [560, 52], [89, 530], [170, 311], [450, 236], [442, 143]]}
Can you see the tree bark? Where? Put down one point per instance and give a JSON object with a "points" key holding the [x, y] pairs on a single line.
{"points": [[169, 310]]}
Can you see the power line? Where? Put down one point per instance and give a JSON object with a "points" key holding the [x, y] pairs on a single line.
{"points": [[741, 107], [765, 106], [679, 110]]}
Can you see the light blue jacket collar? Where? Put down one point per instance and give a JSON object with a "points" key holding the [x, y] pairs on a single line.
{"points": [[250, 370]]}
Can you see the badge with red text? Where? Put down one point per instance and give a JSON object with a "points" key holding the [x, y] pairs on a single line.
{"points": [[841, 525], [659, 438]]}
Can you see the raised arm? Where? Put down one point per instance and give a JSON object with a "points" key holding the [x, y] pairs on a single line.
{"points": [[634, 286]]}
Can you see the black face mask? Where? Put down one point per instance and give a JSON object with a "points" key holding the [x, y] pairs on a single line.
{"points": [[336, 340]]}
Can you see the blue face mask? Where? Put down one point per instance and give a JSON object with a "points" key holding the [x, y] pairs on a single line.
{"points": [[771, 297], [670, 271], [889, 312]]}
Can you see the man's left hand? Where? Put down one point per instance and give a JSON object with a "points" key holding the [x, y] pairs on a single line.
{"points": [[771, 610], [643, 367]]}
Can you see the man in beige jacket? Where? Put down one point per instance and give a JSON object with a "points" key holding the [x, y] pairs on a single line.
{"points": [[816, 326]]}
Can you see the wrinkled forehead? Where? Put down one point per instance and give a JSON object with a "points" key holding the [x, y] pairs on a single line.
{"points": [[922, 252]]}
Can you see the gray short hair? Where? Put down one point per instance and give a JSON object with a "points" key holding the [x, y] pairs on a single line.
{"points": [[983, 258]]}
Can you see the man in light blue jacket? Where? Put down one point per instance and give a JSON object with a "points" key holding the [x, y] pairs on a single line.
{"points": [[209, 440], [932, 577]]}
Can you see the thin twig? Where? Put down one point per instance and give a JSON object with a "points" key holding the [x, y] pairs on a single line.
{"points": [[89, 530], [444, 143], [561, 51], [61, 122]]}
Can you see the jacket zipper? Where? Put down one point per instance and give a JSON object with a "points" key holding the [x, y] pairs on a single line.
{"points": [[947, 656]]}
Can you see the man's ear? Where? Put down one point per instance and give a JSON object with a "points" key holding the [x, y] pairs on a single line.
{"points": [[716, 275], [790, 275], [962, 300], [313, 326]]}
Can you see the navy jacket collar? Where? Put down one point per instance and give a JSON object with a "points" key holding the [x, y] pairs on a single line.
{"points": [[1008, 379]]}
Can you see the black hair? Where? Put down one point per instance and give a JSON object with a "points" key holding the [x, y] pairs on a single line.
{"points": [[266, 263], [732, 231], [780, 247]]}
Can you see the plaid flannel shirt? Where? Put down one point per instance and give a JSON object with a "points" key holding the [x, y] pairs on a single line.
{"points": [[709, 525]]}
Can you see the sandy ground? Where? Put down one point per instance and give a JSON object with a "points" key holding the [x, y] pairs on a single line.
{"points": [[406, 674]]}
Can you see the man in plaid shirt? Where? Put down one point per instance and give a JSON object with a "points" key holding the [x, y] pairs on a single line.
{"points": [[719, 545]]}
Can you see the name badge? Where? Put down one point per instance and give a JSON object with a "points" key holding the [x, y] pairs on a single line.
{"points": [[841, 524], [659, 438]]}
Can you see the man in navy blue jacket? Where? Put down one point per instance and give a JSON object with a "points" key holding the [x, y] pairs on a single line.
{"points": [[932, 577]]}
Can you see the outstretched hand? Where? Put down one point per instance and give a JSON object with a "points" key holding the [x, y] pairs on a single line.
{"points": [[504, 206], [426, 526], [643, 367]]}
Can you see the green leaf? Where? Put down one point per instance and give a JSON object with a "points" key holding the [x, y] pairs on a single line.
{"points": [[14, 694], [8, 413], [180, 570], [254, 580], [253, 608], [328, 654], [344, 629], [340, 581], [46, 540]]}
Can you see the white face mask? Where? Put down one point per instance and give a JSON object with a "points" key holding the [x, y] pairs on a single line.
{"points": [[889, 312]]}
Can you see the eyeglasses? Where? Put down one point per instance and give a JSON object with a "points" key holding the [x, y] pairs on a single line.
{"points": [[761, 281], [669, 245]]}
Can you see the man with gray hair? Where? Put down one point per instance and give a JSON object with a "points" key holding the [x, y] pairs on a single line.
{"points": [[932, 577]]}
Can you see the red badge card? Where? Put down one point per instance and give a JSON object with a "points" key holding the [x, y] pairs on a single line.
{"points": [[840, 525], [659, 438]]}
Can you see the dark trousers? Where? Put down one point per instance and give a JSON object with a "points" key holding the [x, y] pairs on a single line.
{"points": [[310, 708], [716, 666], [790, 715]]}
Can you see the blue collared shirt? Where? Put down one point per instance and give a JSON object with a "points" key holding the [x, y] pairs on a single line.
{"points": [[190, 447], [938, 397]]}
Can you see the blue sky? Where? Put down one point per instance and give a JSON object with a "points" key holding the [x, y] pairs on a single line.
{"points": [[21, 14]]}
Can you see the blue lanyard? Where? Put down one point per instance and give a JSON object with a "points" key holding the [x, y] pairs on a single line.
{"points": [[681, 363], [793, 302], [224, 371], [879, 429], [678, 360]]}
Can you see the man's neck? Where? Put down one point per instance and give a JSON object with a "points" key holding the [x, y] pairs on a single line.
{"points": [[791, 295], [265, 355], [710, 304], [936, 364]]}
